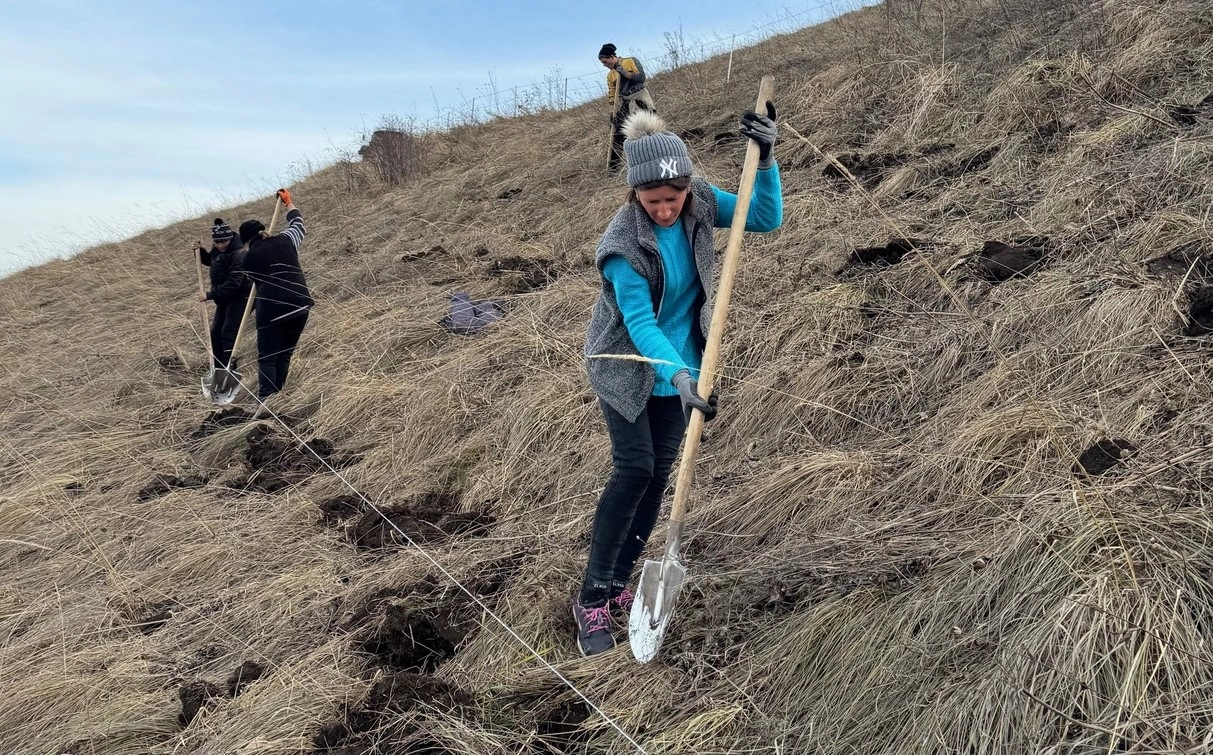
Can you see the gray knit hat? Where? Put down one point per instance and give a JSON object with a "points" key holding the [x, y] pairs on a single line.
{"points": [[653, 153]]}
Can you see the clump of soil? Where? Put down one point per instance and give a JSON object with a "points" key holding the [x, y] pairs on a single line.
{"points": [[375, 723], [154, 616], [1103, 456], [418, 640], [163, 483], [194, 695], [1182, 259], [339, 508], [869, 170], [425, 519], [197, 694], [276, 461], [246, 674], [523, 274], [998, 262], [171, 363], [889, 254], [560, 729], [1200, 312]]}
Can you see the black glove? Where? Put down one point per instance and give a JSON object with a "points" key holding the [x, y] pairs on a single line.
{"points": [[688, 392], [762, 129]]}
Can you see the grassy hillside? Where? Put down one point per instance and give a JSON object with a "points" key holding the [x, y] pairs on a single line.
{"points": [[955, 499]]}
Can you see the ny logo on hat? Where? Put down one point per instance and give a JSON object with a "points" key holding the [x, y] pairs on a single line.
{"points": [[669, 167]]}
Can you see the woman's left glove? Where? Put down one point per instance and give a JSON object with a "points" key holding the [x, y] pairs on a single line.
{"points": [[762, 129]]}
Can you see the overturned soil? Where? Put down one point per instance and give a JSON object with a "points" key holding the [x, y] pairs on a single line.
{"points": [[375, 723], [998, 262], [275, 460], [1104, 455], [425, 519], [161, 484]]}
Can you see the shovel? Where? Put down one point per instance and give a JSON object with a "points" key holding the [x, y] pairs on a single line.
{"points": [[208, 380], [662, 581], [614, 124], [226, 383]]}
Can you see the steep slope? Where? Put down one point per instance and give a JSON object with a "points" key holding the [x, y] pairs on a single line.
{"points": [[955, 500]]}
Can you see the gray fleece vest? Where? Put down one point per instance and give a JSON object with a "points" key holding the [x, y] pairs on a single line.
{"points": [[627, 384]]}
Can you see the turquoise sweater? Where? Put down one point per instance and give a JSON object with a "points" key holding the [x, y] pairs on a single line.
{"points": [[665, 331]]}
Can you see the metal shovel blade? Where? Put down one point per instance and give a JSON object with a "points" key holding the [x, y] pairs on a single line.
{"points": [[221, 386], [660, 584]]}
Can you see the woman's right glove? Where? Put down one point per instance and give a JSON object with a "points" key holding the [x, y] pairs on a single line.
{"points": [[688, 392], [762, 129]]}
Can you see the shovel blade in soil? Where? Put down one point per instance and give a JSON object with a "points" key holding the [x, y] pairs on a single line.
{"points": [[221, 387], [660, 583]]}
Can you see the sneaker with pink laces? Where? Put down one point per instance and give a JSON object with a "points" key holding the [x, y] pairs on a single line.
{"points": [[593, 628], [621, 605]]}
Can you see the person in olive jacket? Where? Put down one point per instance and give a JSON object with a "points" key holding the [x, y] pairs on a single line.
{"points": [[283, 300], [229, 289]]}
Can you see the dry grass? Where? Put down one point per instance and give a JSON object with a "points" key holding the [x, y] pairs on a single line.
{"points": [[894, 546]]}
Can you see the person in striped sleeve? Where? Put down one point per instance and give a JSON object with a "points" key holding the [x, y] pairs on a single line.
{"points": [[283, 300]]}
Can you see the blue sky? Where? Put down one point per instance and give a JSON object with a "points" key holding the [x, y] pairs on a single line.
{"points": [[131, 114]]}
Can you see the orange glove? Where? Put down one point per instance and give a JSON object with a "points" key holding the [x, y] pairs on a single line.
{"points": [[285, 196]]}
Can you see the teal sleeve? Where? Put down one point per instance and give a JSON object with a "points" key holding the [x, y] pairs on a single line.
{"points": [[636, 304], [766, 206]]}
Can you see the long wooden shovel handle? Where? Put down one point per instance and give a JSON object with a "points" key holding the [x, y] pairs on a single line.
{"points": [[614, 124], [711, 354], [206, 323], [252, 295]]}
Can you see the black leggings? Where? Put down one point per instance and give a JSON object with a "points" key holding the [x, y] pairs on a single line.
{"points": [[617, 137], [643, 453], [275, 345], [223, 330]]}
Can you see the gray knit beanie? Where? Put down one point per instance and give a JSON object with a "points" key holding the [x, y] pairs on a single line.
{"points": [[654, 154]]}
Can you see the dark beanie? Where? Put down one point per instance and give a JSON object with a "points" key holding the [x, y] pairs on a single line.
{"points": [[221, 232], [249, 230], [607, 51]]}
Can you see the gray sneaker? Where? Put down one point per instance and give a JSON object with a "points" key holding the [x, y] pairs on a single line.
{"points": [[593, 628]]}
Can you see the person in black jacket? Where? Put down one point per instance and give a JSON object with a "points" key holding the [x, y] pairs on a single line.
{"points": [[229, 289], [283, 300]]}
